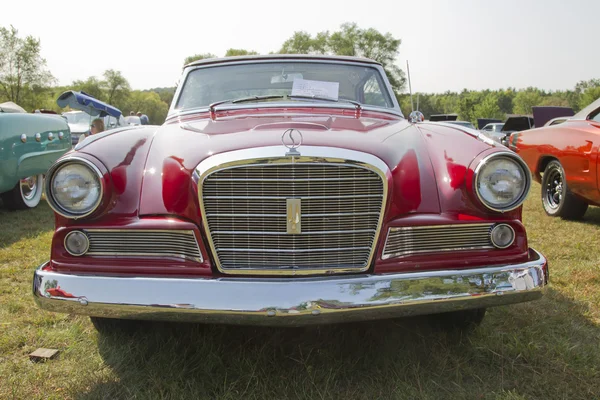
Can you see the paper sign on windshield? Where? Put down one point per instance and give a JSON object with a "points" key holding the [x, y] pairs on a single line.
{"points": [[304, 87]]}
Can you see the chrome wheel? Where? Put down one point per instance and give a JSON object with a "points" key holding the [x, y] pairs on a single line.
{"points": [[557, 199], [26, 193], [29, 187], [554, 188]]}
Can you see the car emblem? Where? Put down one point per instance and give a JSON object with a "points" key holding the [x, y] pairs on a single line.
{"points": [[292, 139], [294, 216]]}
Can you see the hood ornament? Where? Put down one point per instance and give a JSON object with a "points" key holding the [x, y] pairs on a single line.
{"points": [[292, 139], [415, 115]]}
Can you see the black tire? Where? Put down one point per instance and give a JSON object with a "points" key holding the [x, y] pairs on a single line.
{"points": [[557, 200], [26, 194], [109, 326], [464, 320]]}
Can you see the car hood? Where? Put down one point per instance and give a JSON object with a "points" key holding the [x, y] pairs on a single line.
{"points": [[86, 103], [427, 163]]}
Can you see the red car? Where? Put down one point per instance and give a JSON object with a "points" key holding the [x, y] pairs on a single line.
{"points": [[564, 159], [287, 190]]}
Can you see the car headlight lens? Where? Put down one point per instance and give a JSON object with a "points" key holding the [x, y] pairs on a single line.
{"points": [[77, 243], [76, 189], [502, 182]]}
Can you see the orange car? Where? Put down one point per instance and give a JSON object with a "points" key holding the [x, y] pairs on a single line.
{"points": [[564, 159]]}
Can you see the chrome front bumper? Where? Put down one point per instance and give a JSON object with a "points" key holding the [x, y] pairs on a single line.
{"points": [[290, 301]]}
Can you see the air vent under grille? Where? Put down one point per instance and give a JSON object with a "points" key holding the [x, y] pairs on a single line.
{"points": [[150, 243], [337, 216], [429, 239]]}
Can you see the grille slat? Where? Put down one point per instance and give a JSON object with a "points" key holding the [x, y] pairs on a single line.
{"points": [[410, 240], [328, 197], [279, 233], [127, 243], [245, 207], [316, 206]]}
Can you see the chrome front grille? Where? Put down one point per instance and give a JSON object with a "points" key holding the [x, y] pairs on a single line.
{"points": [[246, 214], [151, 243], [429, 239]]}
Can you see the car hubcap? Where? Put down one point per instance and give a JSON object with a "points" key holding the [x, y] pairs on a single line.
{"points": [[554, 189], [29, 187]]}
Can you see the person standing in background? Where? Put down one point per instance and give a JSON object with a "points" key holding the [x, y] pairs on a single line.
{"points": [[143, 118]]}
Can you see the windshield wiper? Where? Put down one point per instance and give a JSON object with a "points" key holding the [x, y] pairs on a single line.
{"points": [[212, 106], [267, 97], [356, 103]]}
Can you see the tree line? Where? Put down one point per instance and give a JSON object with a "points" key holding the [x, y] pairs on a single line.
{"points": [[25, 79], [473, 104]]}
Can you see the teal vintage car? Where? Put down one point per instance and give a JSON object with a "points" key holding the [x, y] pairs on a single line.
{"points": [[29, 145]]}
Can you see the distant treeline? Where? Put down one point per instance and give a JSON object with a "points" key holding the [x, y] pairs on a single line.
{"points": [[473, 104]]}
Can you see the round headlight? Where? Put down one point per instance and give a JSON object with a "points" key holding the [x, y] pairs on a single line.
{"points": [[502, 181], [75, 188]]}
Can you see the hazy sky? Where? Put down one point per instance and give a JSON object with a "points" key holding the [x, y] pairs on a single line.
{"points": [[451, 45]]}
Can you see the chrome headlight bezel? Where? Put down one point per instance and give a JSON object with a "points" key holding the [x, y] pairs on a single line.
{"points": [[50, 196], [526, 174]]}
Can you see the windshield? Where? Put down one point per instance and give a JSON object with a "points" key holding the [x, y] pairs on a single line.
{"points": [[77, 117], [83, 118], [335, 81]]}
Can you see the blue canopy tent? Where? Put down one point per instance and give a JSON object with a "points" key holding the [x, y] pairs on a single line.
{"points": [[86, 103]]}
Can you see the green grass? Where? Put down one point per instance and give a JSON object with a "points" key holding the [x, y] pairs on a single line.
{"points": [[544, 349]]}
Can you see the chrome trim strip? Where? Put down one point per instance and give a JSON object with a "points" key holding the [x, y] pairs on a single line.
{"points": [[316, 250], [291, 180], [291, 301], [276, 155], [520, 161], [284, 215], [282, 233], [358, 196], [48, 183], [428, 227]]}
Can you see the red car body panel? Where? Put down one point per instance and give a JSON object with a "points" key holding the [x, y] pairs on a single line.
{"points": [[150, 178], [575, 144]]}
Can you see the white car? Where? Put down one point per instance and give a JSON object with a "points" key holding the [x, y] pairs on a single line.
{"points": [[80, 121], [133, 120]]}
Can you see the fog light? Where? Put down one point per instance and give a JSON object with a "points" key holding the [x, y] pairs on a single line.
{"points": [[77, 243], [502, 236]]}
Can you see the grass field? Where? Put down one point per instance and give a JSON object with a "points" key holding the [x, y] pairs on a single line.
{"points": [[539, 350]]}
